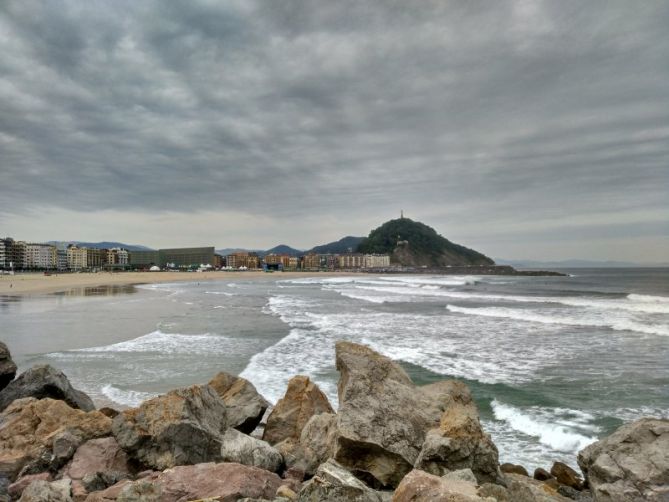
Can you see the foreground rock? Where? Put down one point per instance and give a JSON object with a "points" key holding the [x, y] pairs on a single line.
{"points": [[181, 427], [386, 425], [245, 406], [7, 366], [420, 486], [632, 464], [459, 442], [315, 446], [44, 381], [220, 482], [28, 427], [43, 491], [303, 400], [335, 484], [102, 456], [242, 449]]}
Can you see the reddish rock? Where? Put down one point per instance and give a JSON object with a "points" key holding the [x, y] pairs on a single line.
{"points": [[226, 482], [28, 426], [97, 455], [303, 400], [16, 488]]}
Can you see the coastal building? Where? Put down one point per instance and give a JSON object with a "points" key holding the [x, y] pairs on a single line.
{"points": [[143, 259], [187, 257], [174, 257], [77, 258], [117, 257], [96, 258], [39, 256], [311, 261], [279, 260], [351, 260], [293, 263], [376, 261], [243, 259], [219, 261], [61, 259], [3, 253]]}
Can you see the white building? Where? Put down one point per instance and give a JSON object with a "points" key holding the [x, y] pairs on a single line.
{"points": [[376, 260], [3, 254], [39, 256]]}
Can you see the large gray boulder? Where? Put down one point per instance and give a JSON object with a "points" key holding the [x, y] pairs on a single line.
{"points": [[246, 450], [44, 381], [184, 426], [335, 484], [316, 444], [632, 464], [245, 405], [460, 442], [384, 419], [7, 366]]}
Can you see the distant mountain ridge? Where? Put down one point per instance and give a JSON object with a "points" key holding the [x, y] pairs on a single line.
{"points": [[347, 244], [412, 243], [285, 249], [102, 245]]}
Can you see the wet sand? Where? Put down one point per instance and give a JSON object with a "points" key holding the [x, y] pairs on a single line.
{"points": [[28, 284]]}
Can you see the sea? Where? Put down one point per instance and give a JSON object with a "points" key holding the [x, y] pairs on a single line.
{"points": [[554, 363]]}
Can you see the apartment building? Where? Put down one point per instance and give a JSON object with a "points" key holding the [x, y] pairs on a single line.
{"points": [[39, 256], [376, 261], [243, 259], [351, 260], [77, 258], [117, 256]]}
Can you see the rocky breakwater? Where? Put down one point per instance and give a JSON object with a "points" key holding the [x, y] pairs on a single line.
{"points": [[390, 440]]}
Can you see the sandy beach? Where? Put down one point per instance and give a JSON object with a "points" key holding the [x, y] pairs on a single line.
{"points": [[38, 283]]}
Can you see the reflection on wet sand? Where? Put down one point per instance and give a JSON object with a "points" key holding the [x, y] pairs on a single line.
{"points": [[109, 290]]}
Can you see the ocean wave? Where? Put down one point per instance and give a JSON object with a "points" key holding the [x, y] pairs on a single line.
{"points": [[168, 343], [129, 398], [219, 293], [617, 324], [633, 303], [549, 426]]}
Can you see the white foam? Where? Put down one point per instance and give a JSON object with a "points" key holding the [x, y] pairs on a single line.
{"points": [[633, 303], [547, 427], [648, 298], [169, 343], [219, 293], [603, 321], [129, 398]]}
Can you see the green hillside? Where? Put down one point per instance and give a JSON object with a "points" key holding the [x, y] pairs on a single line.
{"points": [[423, 246]]}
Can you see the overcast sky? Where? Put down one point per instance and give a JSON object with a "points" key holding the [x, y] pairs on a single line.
{"points": [[523, 129]]}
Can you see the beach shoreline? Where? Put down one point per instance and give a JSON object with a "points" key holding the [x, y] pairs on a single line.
{"points": [[26, 284]]}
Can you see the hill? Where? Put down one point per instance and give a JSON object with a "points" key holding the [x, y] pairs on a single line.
{"points": [[102, 245], [345, 245], [284, 249], [412, 243]]}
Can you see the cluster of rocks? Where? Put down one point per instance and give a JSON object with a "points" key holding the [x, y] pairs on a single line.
{"points": [[390, 440]]}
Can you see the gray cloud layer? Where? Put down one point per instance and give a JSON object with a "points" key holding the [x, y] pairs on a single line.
{"points": [[503, 124]]}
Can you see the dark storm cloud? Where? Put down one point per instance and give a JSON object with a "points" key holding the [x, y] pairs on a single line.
{"points": [[468, 111]]}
